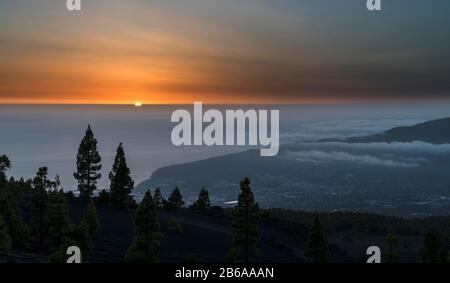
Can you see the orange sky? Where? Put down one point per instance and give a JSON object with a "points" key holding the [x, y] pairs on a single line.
{"points": [[163, 52]]}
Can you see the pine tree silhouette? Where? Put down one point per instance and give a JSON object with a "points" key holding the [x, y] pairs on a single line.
{"points": [[175, 200], [146, 244], [5, 238], [391, 239], [104, 197], [432, 250], [158, 199], [39, 205], [121, 182], [5, 164], [76, 235], [58, 217], [90, 218], [203, 204], [245, 226], [316, 247], [88, 165], [16, 228]]}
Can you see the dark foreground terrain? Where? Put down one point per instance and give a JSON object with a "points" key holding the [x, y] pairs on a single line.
{"points": [[207, 238]]}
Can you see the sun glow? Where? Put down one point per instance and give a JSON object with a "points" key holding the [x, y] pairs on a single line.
{"points": [[138, 104]]}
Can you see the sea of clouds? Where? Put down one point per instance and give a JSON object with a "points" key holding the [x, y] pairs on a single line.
{"points": [[395, 154]]}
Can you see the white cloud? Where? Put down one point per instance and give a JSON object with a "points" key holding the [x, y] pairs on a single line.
{"points": [[319, 156], [416, 147]]}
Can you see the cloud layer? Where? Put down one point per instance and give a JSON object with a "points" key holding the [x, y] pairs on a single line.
{"points": [[317, 156]]}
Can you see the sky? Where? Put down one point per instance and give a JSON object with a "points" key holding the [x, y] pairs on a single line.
{"points": [[216, 51]]}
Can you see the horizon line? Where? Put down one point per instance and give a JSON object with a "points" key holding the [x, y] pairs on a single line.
{"points": [[143, 104]]}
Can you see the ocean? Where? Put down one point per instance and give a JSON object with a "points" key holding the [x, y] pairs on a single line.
{"points": [[49, 135]]}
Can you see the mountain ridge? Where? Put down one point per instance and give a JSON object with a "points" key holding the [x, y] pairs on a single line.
{"points": [[360, 174], [434, 131]]}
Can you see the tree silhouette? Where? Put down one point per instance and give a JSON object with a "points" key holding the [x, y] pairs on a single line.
{"points": [[58, 217], [15, 227], [69, 234], [5, 164], [5, 238], [175, 200], [203, 204], [391, 239], [245, 226], [11, 193], [121, 182], [90, 218], [76, 235], [39, 205], [316, 247], [88, 165], [146, 243], [104, 197], [158, 199], [432, 250]]}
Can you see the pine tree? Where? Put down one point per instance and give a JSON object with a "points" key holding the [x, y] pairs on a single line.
{"points": [[69, 234], [10, 194], [76, 235], [175, 200], [5, 164], [158, 199], [5, 238], [391, 255], [432, 250], [316, 247], [90, 218], [146, 243], [121, 182], [16, 228], [58, 217], [39, 205], [245, 226], [203, 204], [88, 165], [104, 197]]}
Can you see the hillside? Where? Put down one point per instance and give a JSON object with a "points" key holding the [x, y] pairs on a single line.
{"points": [[403, 172], [435, 131], [283, 234]]}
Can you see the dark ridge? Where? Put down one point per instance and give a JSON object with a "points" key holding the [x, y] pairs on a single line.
{"points": [[434, 131]]}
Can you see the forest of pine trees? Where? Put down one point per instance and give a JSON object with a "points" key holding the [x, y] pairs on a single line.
{"points": [[49, 227], [50, 230]]}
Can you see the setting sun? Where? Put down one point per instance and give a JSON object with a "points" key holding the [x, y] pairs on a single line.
{"points": [[138, 104]]}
